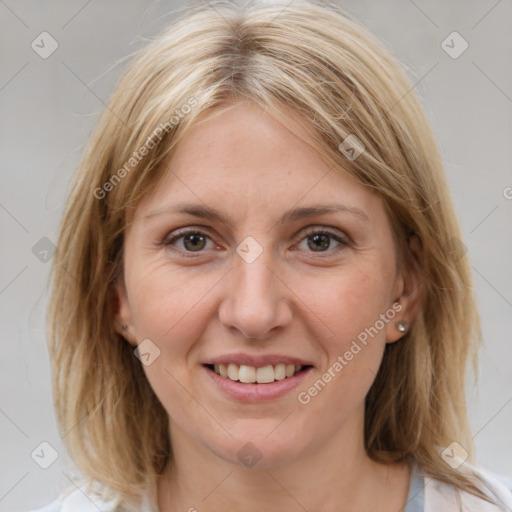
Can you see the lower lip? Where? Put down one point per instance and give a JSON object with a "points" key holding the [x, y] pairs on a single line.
{"points": [[257, 392]]}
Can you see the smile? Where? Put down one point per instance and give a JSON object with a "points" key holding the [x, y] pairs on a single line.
{"points": [[259, 375]]}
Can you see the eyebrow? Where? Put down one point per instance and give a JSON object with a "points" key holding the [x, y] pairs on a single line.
{"points": [[205, 212]]}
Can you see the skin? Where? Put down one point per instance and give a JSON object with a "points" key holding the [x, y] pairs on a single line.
{"points": [[297, 298]]}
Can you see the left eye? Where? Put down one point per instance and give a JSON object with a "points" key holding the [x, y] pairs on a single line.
{"points": [[321, 239]]}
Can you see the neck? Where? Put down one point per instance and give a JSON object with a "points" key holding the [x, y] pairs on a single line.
{"points": [[331, 476]]}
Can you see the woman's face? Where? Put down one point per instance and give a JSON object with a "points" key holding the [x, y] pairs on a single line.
{"points": [[275, 284]]}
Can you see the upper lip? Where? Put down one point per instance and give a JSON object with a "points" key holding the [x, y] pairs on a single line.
{"points": [[257, 361]]}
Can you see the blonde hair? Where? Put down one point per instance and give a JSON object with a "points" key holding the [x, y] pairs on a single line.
{"points": [[324, 77]]}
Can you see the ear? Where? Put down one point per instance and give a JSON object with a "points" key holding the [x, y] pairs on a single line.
{"points": [[122, 315], [408, 291]]}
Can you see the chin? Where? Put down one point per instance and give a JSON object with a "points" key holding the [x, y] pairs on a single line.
{"points": [[259, 448]]}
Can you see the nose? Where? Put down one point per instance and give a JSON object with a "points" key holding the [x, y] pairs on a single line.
{"points": [[256, 301]]}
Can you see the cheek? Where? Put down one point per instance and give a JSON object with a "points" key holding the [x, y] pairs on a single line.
{"points": [[168, 307], [351, 307], [352, 301], [168, 304]]}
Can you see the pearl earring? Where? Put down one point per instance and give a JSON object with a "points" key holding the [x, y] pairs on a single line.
{"points": [[401, 325], [125, 327]]}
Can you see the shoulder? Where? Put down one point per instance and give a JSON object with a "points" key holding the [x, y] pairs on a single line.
{"points": [[443, 496], [76, 500], [54, 506]]}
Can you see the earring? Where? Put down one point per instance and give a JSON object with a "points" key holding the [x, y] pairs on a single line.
{"points": [[125, 327], [401, 325]]}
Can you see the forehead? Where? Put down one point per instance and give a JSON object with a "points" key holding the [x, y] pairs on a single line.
{"points": [[244, 159]]}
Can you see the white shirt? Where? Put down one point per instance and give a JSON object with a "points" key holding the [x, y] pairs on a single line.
{"points": [[426, 494]]}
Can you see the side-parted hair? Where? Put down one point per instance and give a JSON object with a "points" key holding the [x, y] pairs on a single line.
{"points": [[324, 77]]}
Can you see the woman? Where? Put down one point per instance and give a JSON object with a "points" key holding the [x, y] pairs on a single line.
{"points": [[254, 307]]}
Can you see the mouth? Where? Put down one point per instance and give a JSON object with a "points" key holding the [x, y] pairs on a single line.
{"points": [[257, 375], [256, 378]]}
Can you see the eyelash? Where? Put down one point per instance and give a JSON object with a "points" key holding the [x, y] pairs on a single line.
{"points": [[309, 233]]}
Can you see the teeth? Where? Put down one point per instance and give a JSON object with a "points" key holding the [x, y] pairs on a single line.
{"points": [[233, 371], [280, 371], [251, 374], [247, 374], [265, 374]]}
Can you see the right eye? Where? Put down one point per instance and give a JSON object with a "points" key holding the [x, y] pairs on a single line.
{"points": [[193, 241]]}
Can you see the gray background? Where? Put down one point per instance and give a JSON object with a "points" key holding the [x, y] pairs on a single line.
{"points": [[49, 106]]}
